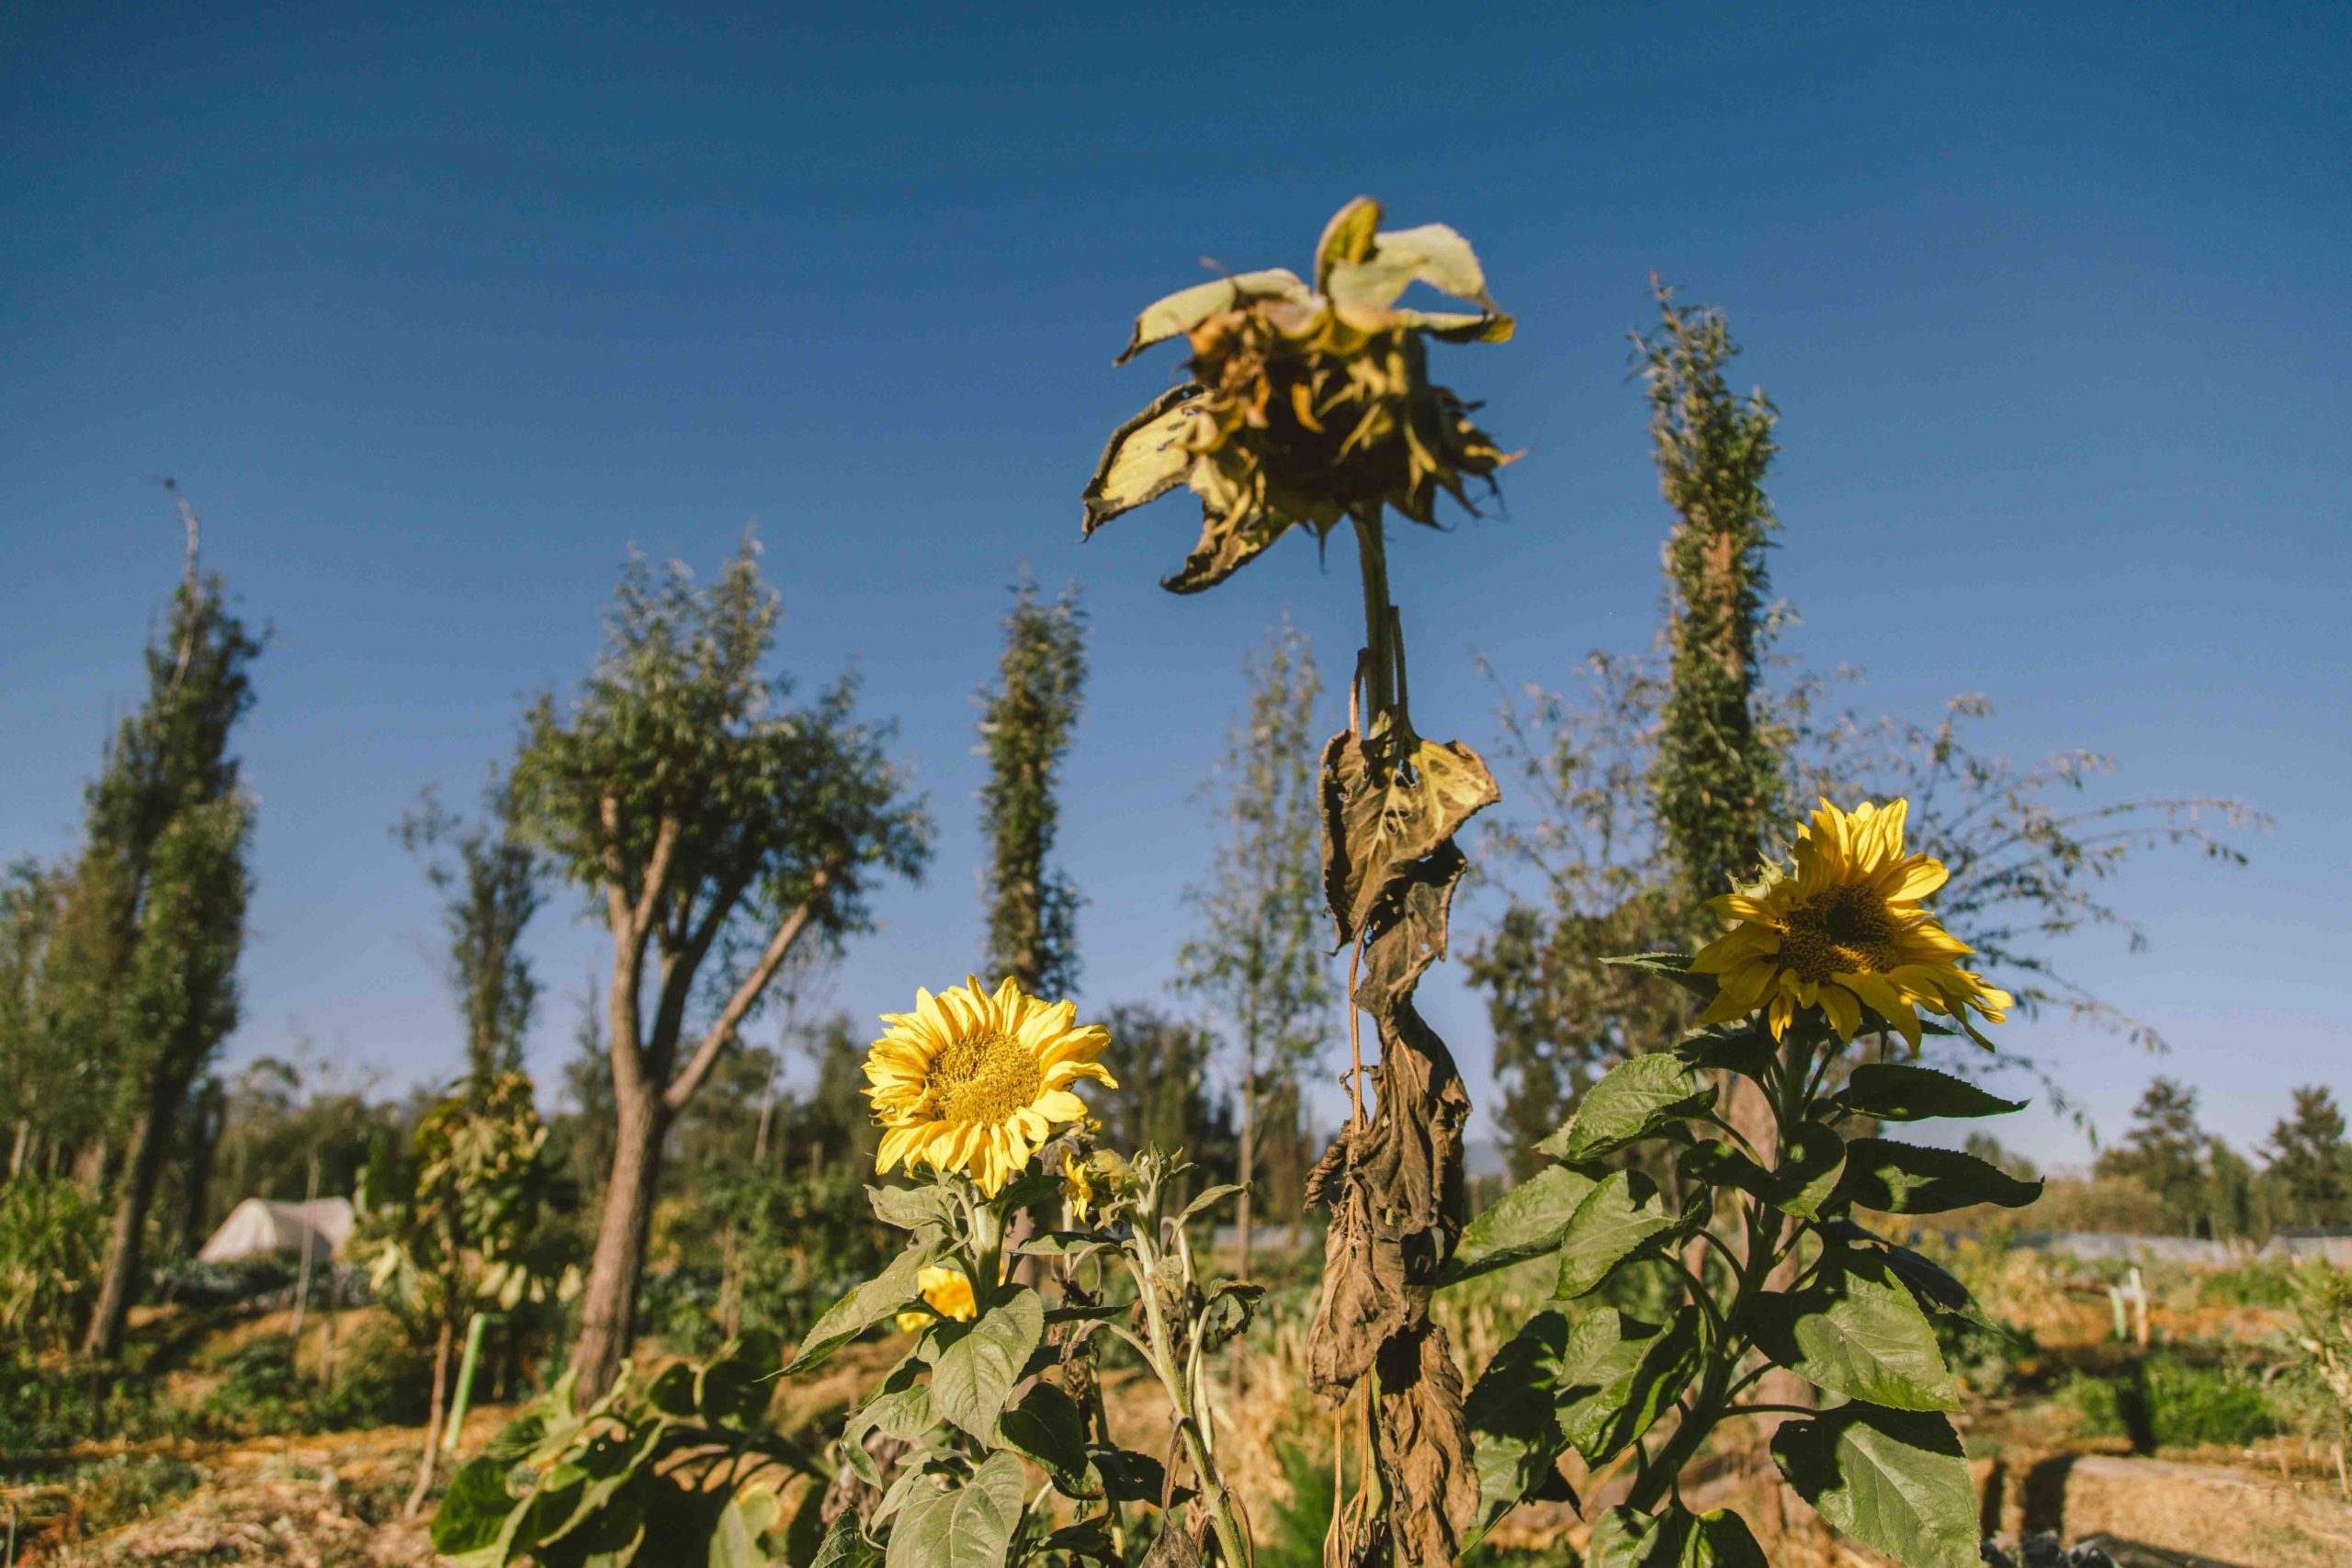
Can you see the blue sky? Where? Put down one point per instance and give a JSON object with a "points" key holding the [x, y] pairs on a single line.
{"points": [[437, 314]]}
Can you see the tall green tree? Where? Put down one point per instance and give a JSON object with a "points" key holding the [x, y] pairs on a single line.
{"points": [[1027, 715], [1258, 961], [163, 882], [2165, 1151], [1716, 785], [715, 828], [490, 883], [2309, 1161], [31, 896]]}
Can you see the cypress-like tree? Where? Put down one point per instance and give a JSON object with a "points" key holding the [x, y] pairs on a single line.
{"points": [[162, 880], [1027, 717], [2165, 1151], [714, 830], [490, 883], [1716, 785], [2309, 1161], [1259, 959]]}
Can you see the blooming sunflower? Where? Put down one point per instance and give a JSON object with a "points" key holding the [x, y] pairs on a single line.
{"points": [[975, 1082], [1845, 928], [948, 1295]]}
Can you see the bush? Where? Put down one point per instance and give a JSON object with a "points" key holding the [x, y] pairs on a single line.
{"points": [[50, 1237], [2165, 1401], [382, 1381]]}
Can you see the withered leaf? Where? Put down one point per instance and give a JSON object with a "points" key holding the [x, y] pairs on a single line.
{"points": [[1391, 799], [1187, 308], [1145, 458], [1405, 931]]}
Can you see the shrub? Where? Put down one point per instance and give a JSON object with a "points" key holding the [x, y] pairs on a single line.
{"points": [[51, 1236], [2165, 1402]]}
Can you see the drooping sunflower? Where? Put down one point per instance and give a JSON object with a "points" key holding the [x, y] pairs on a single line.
{"points": [[948, 1295], [1845, 928], [973, 1082]]}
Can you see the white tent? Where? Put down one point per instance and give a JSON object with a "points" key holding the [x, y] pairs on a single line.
{"points": [[259, 1228]]}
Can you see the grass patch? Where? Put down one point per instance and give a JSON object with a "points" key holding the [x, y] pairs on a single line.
{"points": [[2167, 1402]]}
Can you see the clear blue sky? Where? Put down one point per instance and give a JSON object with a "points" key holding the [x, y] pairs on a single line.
{"points": [[436, 315]]}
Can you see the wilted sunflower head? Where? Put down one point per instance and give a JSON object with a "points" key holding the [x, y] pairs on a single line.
{"points": [[973, 1081], [946, 1293], [1308, 405], [1845, 928]]}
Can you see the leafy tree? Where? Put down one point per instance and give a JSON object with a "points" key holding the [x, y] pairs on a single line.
{"points": [[490, 881], [2309, 1161], [148, 981], [30, 897], [716, 830], [1716, 786], [2165, 1151], [1258, 958], [1025, 728]]}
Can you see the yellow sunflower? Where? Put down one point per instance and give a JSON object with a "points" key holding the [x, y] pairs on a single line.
{"points": [[974, 1082], [1845, 928], [946, 1293]]}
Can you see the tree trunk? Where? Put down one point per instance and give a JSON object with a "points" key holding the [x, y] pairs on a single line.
{"points": [[433, 1419], [121, 1281], [608, 1307]]}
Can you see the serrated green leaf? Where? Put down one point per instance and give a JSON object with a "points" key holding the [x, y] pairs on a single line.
{"points": [[473, 1510], [1912, 1178], [912, 1208], [1678, 1537], [1672, 966], [1858, 1332], [1801, 1185], [1637, 1098], [967, 1526], [1618, 1375], [875, 1300], [1047, 1426], [1210, 1199], [1526, 1222], [1894, 1480], [844, 1545], [974, 1372], [1900, 1092], [1517, 1438], [1621, 1216]]}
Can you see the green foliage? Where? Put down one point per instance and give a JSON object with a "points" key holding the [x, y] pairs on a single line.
{"points": [[1025, 727], [2310, 1160], [1795, 1284], [1717, 786], [1257, 960], [52, 1236], [382, 1381], [2165, 1151], [2318, 1362], [490, 881], [2166, 1401], [672, 1469]]}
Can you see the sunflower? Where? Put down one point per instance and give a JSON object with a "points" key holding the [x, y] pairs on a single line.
{"points": [[974, 1082], [948, 1295], [1844, 928]]}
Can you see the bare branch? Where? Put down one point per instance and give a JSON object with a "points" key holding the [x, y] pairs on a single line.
{"points": [[722, 1030]]}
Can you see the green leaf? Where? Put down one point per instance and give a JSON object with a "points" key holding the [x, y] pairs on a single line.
{"points": [[1047, 1426], [879, 1298], [734, 1390], [1524, 1222], [912, 1208], [1894, 1480], [1621, 1216], [1911, 1178], [1617, 1376], [973, 1374], [1639, 1096], [1187, 308], [473, 1510], [1898, 1092], [969, 1525], [1674, 966], [903, 1413], [1859, 1334], [1746, 1048], [843, 1546], [1518, 1440], [1132, 1477], [1210, 1199], [1678, 1537], [1800, 1185]]}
